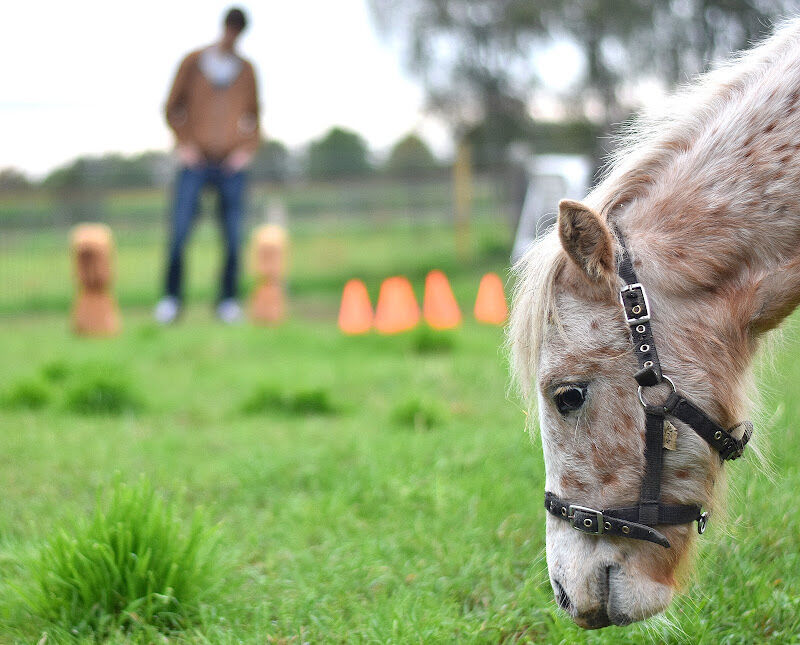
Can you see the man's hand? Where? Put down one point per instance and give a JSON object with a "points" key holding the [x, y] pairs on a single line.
{"points": [[189, 154], [238, 160]]}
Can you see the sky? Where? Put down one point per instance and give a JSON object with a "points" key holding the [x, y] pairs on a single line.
{"points": [[91, 76]]}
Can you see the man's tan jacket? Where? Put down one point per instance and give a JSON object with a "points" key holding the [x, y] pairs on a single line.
{"points": [[216, 120]]}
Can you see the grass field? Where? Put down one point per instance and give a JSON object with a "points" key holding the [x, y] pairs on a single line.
{"points": [[407, 510]]}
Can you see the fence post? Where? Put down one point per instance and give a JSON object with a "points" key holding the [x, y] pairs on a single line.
{"points": [[462, 197]]}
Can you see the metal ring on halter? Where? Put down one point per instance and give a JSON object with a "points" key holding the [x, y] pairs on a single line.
{"points": [[666, 378]]}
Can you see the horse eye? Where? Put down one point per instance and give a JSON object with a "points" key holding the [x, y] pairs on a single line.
{"points": [[569, 398]]}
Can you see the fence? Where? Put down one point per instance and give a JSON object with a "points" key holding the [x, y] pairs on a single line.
{"points": [[35, 273]]}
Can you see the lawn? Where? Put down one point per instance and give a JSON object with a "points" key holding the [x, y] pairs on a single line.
{"points": [[354, 521]]}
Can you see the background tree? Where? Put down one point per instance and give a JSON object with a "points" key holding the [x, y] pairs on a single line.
{"points": [[475, 57], [338, 154], [13, 179], [410, 157], [271, 162], [112, 171]]}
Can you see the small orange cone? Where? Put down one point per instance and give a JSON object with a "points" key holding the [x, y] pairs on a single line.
{"points": [[440, 307], [355, 314], [397, 307], [490, 305]]}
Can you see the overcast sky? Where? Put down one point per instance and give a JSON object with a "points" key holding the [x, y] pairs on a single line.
{"points": [[91, 76]]}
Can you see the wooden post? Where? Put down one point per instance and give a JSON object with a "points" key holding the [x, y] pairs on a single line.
{"points": [[462, 198], [95, 311], [268, 302]]}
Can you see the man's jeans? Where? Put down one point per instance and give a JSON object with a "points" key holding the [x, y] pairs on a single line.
{"points": [[188, 186]]}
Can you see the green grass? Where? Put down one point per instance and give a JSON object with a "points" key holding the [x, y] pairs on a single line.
{"points": [[133, 568], [270, 400], [351, 526]]}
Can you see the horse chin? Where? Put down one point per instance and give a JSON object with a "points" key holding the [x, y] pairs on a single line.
{"points": [[599, 585], [622, 600]]}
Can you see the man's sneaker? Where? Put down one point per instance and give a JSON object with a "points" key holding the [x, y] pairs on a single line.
{"points": [[167, 310], [229, 311]]}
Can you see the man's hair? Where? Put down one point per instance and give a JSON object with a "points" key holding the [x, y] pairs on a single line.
{"points": [[236, 19]]}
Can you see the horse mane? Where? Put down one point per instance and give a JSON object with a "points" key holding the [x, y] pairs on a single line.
{"points": [[662, 132], [645, 147]]}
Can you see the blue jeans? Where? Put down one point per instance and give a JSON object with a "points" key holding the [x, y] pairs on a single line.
{"points": [[188, 186]]}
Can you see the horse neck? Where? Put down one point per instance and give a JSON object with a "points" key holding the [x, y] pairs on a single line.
{"points": [[714, 189]]}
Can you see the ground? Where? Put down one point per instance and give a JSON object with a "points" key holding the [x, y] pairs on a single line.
{"points": [[361, 524]]}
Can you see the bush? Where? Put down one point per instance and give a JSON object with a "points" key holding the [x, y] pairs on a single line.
{"points": [[103, 394], [133, 565], [32, 395], [418, 414], [267, 400]]}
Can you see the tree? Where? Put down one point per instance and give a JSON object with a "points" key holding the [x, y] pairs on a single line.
{"points": [[475, 56], [461, 50], [339, 154], [271, 162], [13, 179], [111, 171], [410, 157]]}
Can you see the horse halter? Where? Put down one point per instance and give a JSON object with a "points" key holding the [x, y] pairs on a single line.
{"points": [[638, 522]]}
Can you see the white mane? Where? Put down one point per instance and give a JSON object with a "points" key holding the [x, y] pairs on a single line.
{"points": [[657, 139]]}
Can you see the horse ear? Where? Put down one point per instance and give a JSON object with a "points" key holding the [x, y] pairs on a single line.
{"points": [[587, 240]]}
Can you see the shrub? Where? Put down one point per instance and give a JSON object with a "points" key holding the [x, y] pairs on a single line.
{"points": [[266, 400], [418, 414], [103, 394], [32, 395], [134, 564]]}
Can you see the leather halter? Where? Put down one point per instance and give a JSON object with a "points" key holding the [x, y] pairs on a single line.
{"points": [[638, 522]]}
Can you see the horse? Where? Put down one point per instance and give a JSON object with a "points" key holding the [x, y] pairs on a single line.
{"points": [[696, 221]]}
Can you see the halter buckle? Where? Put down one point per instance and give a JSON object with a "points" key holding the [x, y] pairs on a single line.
{"points": [[582, 526], [639, 311]]}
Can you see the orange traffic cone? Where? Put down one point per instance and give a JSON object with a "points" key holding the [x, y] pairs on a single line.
{"points": [[440, 306], [397, 307], [490, 305], [355, 314]]}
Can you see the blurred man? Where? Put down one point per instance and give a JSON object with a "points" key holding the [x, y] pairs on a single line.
{"points": [[213, 111]]}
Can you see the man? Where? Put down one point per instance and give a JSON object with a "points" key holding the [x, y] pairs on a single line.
{"points": [[213, 111]]}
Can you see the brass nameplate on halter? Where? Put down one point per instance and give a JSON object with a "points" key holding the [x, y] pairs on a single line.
{"points": [[670, 436]]}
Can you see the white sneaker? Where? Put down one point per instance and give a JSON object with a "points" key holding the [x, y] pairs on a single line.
{"points": [[167, 310], [229, 311]]}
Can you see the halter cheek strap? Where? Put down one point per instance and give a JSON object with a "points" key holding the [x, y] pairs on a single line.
{"points": [[638, 522]]}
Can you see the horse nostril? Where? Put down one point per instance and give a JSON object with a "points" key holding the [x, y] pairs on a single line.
{"points": [[562, 598]]}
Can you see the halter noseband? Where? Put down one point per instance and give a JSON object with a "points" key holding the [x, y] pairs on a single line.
{"points": [[638, 522]]}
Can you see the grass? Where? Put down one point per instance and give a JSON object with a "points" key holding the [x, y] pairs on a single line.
{"points": [[271, 400], [30, 394], [352, 526], [133, 567], [418, 414], [108, 394]]}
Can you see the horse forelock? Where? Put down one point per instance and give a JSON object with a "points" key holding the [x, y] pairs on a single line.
{"points": [[533, 305]]}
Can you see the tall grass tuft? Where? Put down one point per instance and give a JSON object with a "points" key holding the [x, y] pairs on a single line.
{"points": [[419, 414], [433, 341], [270, 400], [133, 564], [55, 371], [30, 395], [103, 394]]}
